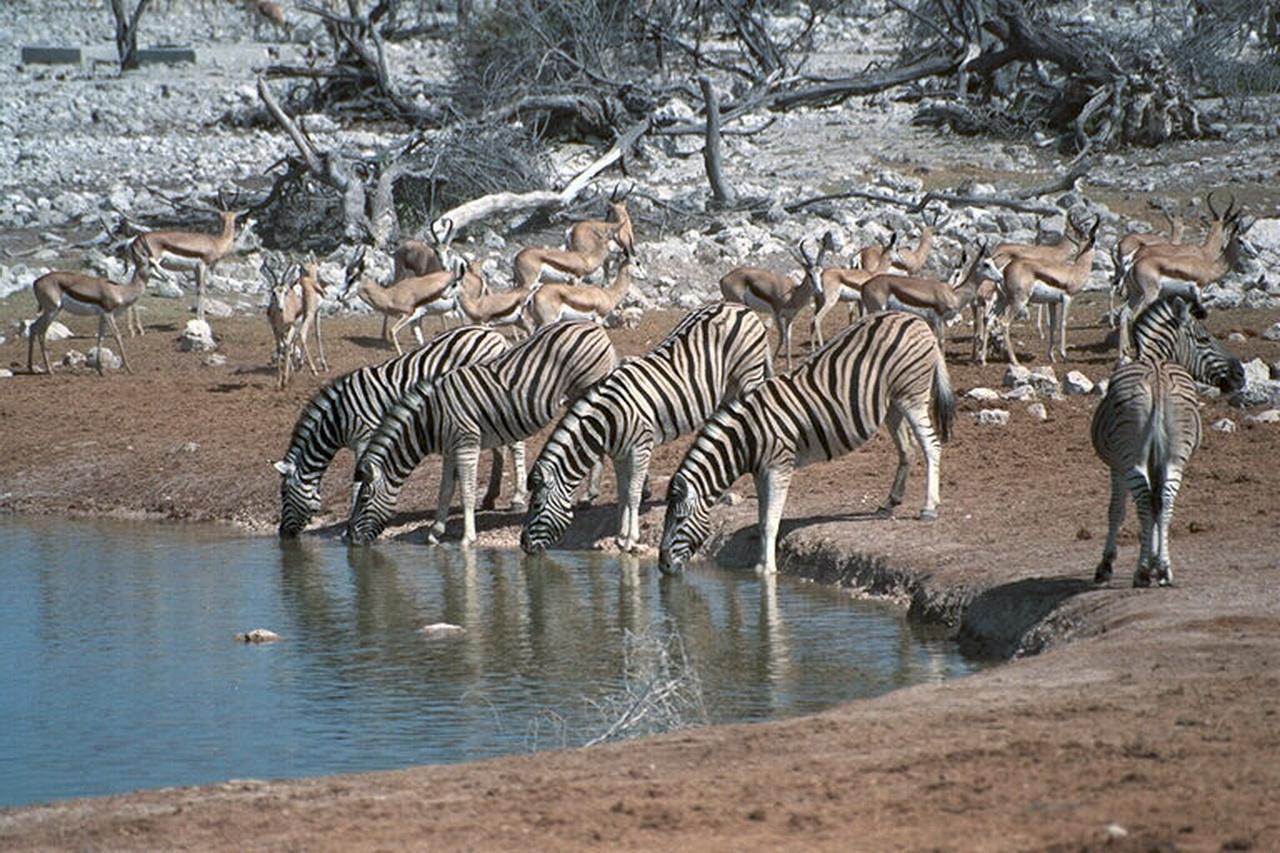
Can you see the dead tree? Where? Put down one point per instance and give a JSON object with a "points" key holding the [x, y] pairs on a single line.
{"points": [[127, 31]]}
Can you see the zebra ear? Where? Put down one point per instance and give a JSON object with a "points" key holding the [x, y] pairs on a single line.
{"points": [[285, 468]]}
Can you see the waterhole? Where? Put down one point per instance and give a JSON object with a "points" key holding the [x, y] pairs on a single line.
{"points": [[120, 668]]}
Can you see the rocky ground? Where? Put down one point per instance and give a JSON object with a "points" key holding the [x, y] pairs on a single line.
{"points": [[1146, 720]]}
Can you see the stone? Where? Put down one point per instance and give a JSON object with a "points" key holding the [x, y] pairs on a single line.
{"points": [[214, 359], [74, 358], [55, 332], [1015, 375], [1044, 380], [1038, 412], [164, 287], [1022, 393], [216, 308], [1272, 333], [440, 630], [258, 635], [1268, 416], [1259, 393], [105, 357], [197, 337], [5, 373], [983, 394], [1076, 382], [1256, 371], [189, 447], [1236, 338], [1223, 425], [993, 417]]}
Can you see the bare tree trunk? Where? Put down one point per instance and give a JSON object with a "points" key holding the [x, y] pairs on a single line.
{"points": [[127, 32], [721, 189]]}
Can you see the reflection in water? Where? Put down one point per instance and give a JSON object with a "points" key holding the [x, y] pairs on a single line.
{"points": [[121, 671]]}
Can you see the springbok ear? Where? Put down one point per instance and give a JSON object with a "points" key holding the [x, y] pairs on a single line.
{"points": [[285, 468]]}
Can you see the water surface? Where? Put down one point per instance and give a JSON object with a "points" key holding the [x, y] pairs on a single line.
{"points": [[119, 669]]}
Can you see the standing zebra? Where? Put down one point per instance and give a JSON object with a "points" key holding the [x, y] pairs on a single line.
{"points": [[886, 368], [1148, 425], [717, 352], [481, 405], [346, 412]]}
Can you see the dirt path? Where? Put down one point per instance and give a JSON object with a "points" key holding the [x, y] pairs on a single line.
{"points": [[1155, 727]]}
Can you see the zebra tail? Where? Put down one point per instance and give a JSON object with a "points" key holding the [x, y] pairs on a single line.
{"points": [[944, 400], [1157, 457]]}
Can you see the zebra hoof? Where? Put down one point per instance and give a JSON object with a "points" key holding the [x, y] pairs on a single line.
{"points": [[1102, 574], [1141, 579], [519, 504], [885, 511], [928, 515], [488, 504], [432, 539]]}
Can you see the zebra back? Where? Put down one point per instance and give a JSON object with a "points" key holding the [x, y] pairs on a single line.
{"points": [[495, 403], [715, 353], [828, 406], [1170, 329], [345, 412]]}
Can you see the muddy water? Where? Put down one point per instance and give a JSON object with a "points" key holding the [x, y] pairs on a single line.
{"points": [[119, 667]]}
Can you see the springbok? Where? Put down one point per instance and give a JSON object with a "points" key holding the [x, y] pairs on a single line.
{"points": [[766, 290], [85, 295], [552, 302], [406, 300], [294, 312]]}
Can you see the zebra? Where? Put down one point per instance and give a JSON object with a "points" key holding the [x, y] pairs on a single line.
{"points": [[715, 353], [481, 405], [886, 368], [346, 412], [1148, 425]]}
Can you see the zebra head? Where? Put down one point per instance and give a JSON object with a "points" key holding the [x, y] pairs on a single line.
{"points": [[374, 498], [686, 526], [1171, 328], [299, 499], [550, 508]]}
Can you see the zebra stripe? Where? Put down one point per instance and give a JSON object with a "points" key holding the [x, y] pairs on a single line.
{"points": [[1148, 426], [715, 353], [346, 412], [886, 368], [481, 405]]}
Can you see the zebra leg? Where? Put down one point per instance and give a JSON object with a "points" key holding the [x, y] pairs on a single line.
{"points": [[631, 494], [594, 481], [1140, 488], [519, 500], [771, 495], [1164, 517], [921, 428], [898, 429], [1115, 517], [468, 459], [498, 461], [448, 474]]}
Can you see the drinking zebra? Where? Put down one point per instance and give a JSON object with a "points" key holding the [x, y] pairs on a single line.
{"points": [[716, 353], [886, 368], [346, 412], [1148, 425], [481, 405]]}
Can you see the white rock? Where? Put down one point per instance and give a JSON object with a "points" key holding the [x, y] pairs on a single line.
{"points": [[1038, 412], [1044, 380], [108, 359], [55, 332], [258, 635], [5, 373], [165, 288], [982, 394], [197, 337], [1015, 375], [1272, 333], [1223, 425], [1256, 371], [688, 301], [1236, 338], [1021, 393], [1264, 392], [1268, 416], [1115, 830], [216, 308], [993, 417], [74, 358], [214, 359], [1077, 383], [438, 630]]}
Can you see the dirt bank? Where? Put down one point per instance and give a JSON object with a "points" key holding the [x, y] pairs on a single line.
{"points": [[1159, 719]]}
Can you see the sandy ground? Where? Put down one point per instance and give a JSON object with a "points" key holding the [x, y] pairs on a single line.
{"points": [[1147, 721]]}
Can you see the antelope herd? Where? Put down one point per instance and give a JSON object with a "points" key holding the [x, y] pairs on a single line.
{"points": [[422, 410]]}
